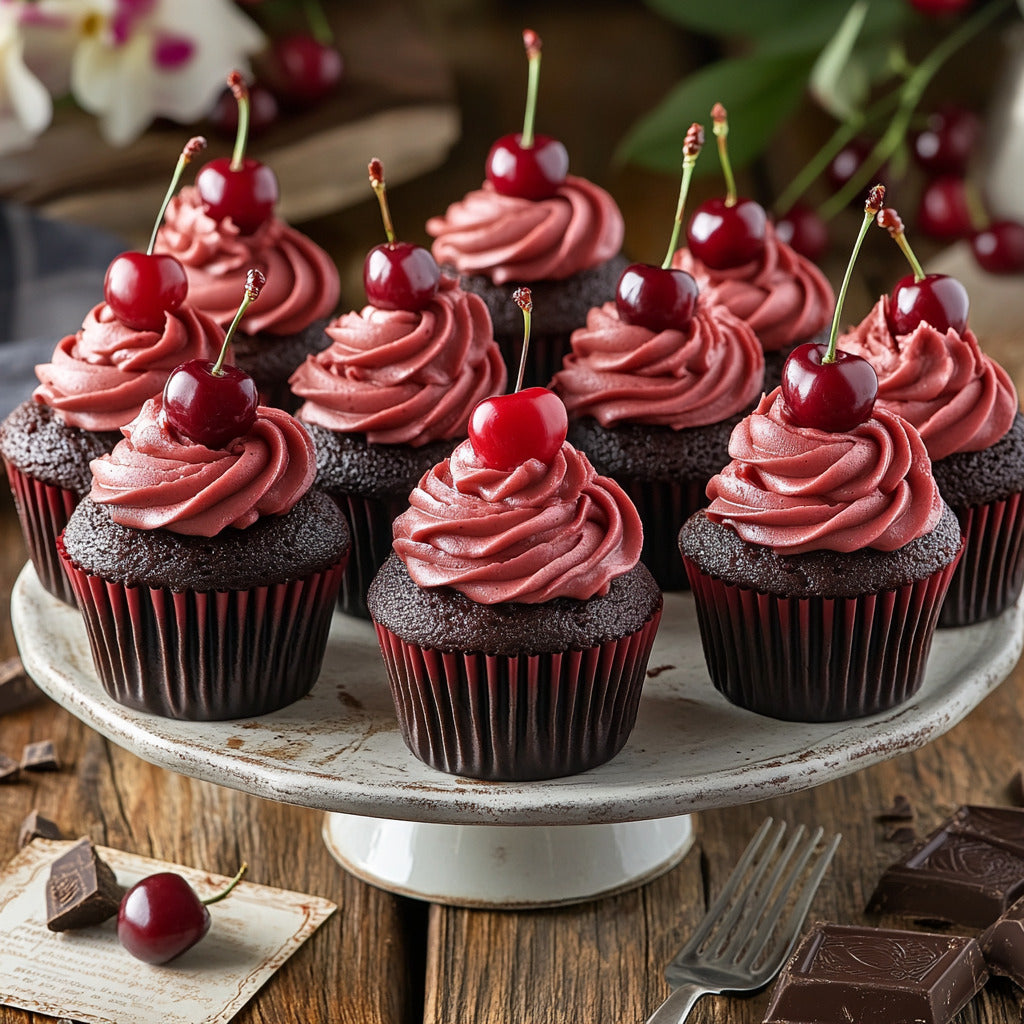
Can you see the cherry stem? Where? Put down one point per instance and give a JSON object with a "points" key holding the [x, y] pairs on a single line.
{"points": [[692, 145], [254, 282], [524, 300], [226, 892], [720, 121], [532, 43], [874, 203], [376, 169], [976, 212], [241, 93], [188, 154], [893, 223], [318, 23]]}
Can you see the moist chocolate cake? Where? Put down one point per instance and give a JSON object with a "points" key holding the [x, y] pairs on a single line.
{"points": [[992, 474], [271, 359]]}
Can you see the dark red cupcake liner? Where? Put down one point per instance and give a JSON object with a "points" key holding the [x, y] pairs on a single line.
{"points": [[371, 523], [43, 511], [516, 718], [990, 575], [207, 656], [817, 659]]}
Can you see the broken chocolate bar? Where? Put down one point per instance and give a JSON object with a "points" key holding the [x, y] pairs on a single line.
{"points": [[844, 973], [16, 689], [81, 890], [968, 871], [35, 826], [1002, 944], [40, 757], [9, 769]]}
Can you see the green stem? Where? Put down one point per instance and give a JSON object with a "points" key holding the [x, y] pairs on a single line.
{"points": [[527, 319], [318, 23], [830, 354], [193, 146], [721, 130], [532, 87], [242, 134], [684, 187], [218, 367], [226, 892]]}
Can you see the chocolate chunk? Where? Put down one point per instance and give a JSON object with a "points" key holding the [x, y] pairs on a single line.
{"points": [[901, 834], [16, 689], [40, 757], [81, 889], [900, 810], [9, 769], [845, 973], [35, 826], [1002, 944], [968, 871]]}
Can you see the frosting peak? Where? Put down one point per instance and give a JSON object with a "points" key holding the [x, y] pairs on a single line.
{"points": [[302, 281], [782, 295], [958, 398], [797, 489], [622, 373], [154, 480], [511, 239], [404, 377], [539, 532]]}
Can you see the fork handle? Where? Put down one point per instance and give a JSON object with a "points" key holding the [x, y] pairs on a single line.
{"points": [[677, 1007]]}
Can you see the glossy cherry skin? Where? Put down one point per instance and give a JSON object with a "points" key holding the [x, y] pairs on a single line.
{"points": [[999, 248], [724, 236], [400, 275], [943, 212], [828, 396], [937, 299], [263, 111], [506, 430], [304, 70], [945, 144], [533, 173], [209, 410], [247, 196], [160, 917], [656, 298], [141, 289], [803, 230]]}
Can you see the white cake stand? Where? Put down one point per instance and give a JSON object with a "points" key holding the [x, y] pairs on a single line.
{"points": [[413, 830]]}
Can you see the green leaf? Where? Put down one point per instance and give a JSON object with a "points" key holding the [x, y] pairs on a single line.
{"points": [[746, 18], [839, 81], [758, 91]]}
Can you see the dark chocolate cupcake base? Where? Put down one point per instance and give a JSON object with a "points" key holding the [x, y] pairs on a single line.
{"points": [[270, 359]]}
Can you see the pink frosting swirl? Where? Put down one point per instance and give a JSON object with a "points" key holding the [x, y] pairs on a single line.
{"points": [[302, 282], [784, 297], [153, 480], [959, 399], [100, 377], [530, 535], [512, 239], [622, 373], [796, 489], [404, 377]]}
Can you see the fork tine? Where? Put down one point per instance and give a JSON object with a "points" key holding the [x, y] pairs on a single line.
{"points": [[732, 883]]}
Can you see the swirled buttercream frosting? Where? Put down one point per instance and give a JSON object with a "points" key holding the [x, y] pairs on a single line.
{"points": [[782, 295], [155, 480], [403, 377], [796, 489], [99, 378], [623, 373], [541, 531], [959, 399], [507, 238], [302, 282]]}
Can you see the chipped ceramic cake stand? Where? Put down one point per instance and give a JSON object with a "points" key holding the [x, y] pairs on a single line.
{"points": [[400, 825]]}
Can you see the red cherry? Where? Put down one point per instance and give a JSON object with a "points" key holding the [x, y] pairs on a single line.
{"points": [[848, 161], [247, 194], [160, 917], [529, 173], [400, 275], [940, 8], [263, 113], [656, 298], [506, 430], [945, 144], [999, 248], [944, 212], [803, 230], [724, 236], [937, 299], [207, 408], [142, 288], [303, 69], [828, 396]]}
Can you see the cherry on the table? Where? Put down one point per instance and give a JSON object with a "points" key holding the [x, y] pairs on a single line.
{"points": [[945, 144], [999, 248], [944, 212], [803, 230], [304, 69]]}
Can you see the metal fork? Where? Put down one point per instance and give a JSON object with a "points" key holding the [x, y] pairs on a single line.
{"points": [[750, 930]]}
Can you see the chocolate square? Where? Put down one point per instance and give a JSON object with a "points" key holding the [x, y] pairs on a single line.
{"points": [[81, 890], [9, 769], [1002, 944], [16, 689], [35, 826], [845, 973], [40, 757]]}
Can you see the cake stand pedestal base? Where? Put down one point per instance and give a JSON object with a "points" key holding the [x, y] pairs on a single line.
{"points": [[506, 866]]}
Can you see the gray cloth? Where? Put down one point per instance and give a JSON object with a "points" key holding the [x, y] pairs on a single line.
{"points": [[51, 275]]}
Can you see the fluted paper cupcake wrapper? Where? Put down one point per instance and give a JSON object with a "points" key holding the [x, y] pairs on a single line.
{"points": [[43, 511], [991, 573], [207, 656], [515, 718], [817, 659], [371, 523]]}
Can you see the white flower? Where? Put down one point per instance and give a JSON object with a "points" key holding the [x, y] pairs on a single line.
{"points": [[25, 104], [140, 59]]}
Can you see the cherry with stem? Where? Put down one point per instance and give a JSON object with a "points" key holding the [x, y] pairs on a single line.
{"points": [[936, 299], [397, 275], [507, 430], [142, 288], [663, 298], [213, 403], [823, 387]]}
